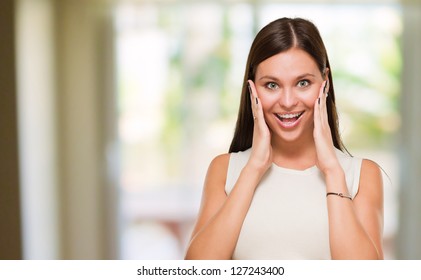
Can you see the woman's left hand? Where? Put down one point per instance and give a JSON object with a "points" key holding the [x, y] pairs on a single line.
{"points": [[326, 156]]}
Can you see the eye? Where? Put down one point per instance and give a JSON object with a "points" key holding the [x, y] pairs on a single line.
{"points": [[271, 85], [303, 83]]}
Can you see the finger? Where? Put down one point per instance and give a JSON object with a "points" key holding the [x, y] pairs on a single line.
{"points": [[324, 103], [255, 101], [317, 113], [252, 88], [252, 99], [321, 90], [322, 109], [326, 87], [318, 104]]}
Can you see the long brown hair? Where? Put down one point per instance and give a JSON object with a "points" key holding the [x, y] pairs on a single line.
{"points": [[279, 36]]}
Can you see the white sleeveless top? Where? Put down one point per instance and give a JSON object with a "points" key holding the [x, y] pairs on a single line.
{"points": [[287, 218]]}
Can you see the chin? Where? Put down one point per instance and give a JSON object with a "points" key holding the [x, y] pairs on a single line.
{"points": [[297, 134]]}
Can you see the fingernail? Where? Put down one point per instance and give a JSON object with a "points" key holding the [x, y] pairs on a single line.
{"points": [[326, 83], [257, 101], [249, 87], [318, 100]]}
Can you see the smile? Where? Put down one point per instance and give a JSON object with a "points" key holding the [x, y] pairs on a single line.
{"points": [[289, 120]]}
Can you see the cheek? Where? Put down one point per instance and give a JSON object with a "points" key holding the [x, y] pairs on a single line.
{"points": [[310, 99], [307, 99], [267, 101]]}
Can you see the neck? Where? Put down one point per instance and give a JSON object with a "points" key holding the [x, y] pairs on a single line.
{"points": [[299, 154]]}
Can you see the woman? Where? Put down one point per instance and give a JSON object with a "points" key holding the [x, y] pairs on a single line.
{"points": [[286, 189]]}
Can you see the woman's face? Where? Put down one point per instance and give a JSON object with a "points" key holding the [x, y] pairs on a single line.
{"points": [[288, 85]]}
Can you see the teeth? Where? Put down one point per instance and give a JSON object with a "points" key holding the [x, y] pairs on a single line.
{"points": [[289, 116]]}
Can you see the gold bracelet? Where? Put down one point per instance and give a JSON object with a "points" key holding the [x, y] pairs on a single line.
{"points": [[339, 194]]}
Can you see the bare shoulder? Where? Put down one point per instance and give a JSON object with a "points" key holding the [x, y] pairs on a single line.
{"points": [[370, 170], [371, 181], [213, 196], [369, 202], [217, 171], [220, 162]]}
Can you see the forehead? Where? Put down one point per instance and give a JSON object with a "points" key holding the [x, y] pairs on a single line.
{"points": [[288, 65]]}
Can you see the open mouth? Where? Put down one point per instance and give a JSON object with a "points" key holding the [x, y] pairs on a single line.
{"points": [[289, 120]]}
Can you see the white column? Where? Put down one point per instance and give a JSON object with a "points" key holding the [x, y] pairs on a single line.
{"points": [[87, 210], [67, 211], [37, 140], [409, 236]]}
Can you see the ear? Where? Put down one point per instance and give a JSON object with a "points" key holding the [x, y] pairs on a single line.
{"points": [[326, 73]]}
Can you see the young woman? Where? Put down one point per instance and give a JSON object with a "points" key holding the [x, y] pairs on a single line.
{"points": [[287, 189]]}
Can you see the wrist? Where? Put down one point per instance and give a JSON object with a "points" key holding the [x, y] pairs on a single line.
{"points": [[336, 181], [334, 174], [255, 169], [333, 170]]}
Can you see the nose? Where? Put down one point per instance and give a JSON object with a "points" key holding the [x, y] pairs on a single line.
{"points": [[287, 99]]}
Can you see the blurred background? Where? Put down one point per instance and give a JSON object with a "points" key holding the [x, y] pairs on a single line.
{"points": [[112, 110]]}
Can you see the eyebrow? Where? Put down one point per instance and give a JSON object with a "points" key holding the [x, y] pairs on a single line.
{"points": [[269, 77]]}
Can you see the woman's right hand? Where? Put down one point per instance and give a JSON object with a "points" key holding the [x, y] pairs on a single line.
{"points": [[261, 151]]}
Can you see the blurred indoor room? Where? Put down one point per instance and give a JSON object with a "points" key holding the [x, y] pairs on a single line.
{"points": [[112, 111]]}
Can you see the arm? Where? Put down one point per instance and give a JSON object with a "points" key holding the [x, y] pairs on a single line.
{"points": [[355, 226], [221, 217]]}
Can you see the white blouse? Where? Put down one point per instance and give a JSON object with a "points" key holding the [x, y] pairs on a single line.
{"points": [[287, 218]]}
